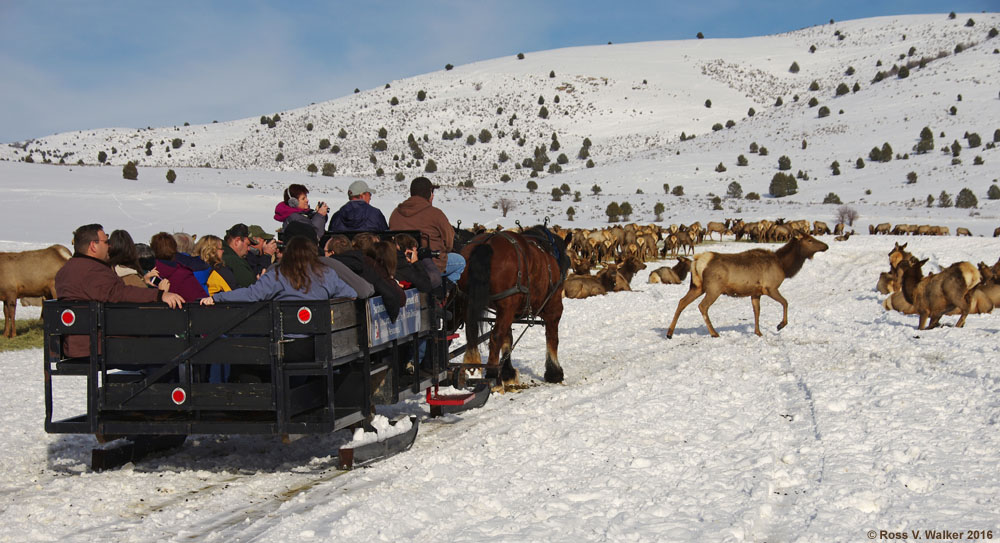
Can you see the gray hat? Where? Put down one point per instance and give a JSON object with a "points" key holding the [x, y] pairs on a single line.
{"points": [[358, 188]]}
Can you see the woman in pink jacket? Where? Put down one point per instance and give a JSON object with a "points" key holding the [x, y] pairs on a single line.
{"points": [[295, 208]]}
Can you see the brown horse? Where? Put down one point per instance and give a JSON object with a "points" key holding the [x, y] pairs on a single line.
{"points": [[518, 276]]}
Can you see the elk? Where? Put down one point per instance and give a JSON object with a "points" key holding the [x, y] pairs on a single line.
{"points": [[585, 286], [753, 273], [963, 231], [671, 276], [716, 227], [845, 236], [28, 273], [935, 295]]}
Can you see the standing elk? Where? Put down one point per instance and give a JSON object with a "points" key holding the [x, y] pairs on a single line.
{"points": [[28, 273], [963, 231], [716, 227], [753, 273]]}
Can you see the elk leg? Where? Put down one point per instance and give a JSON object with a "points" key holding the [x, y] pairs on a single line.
{"points": [[707, 302], [691, 296], [755, 301], [922, 323], [776, 296], [9, 329]]}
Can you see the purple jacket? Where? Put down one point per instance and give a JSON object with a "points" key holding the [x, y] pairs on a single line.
{"points": [[285, 214], [182, 280], [358, 216]]}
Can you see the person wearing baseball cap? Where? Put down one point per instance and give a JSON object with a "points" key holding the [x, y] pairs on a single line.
{"points": [[418, 213], [358, 215]]}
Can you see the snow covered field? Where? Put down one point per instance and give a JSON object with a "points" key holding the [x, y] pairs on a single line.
{"points": [[848, 420]]}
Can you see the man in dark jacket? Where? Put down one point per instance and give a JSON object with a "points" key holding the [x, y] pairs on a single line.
{"points": [[418, 213], [234, 251], [358, 215], [88, 277]]}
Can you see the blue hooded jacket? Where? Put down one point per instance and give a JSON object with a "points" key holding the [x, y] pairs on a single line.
{"points": [[358, 216]]}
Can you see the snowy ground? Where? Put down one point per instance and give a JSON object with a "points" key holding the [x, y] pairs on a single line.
{"points": [[846, 421]]}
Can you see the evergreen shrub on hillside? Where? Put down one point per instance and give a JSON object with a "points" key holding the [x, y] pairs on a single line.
{"points": [[129, 171], [966, 199], [783, 184], [944, 199]]}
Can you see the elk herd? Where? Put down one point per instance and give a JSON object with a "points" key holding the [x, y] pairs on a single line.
{"points": [[618, 252]]}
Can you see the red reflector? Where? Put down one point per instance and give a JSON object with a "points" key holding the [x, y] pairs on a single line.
{"points": [[67, 317], [178, 396], [305, 315]]}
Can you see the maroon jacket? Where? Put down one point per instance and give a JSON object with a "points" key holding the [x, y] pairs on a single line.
{"points": [[88, 279]]}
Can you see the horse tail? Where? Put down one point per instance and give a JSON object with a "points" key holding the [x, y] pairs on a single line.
{"points": [[477, 290]]}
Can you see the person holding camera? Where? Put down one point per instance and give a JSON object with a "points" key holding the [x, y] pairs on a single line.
{"points": [[418, 213], [295, 208]]}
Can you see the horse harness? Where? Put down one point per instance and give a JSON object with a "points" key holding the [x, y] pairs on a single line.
{"points": [[520, 287]]}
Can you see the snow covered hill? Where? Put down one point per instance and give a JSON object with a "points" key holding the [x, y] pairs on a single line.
{"points": [[633, 102]]}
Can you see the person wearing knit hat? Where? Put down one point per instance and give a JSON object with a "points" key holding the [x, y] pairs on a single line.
{"points": [[358, 215], [418, 213]]}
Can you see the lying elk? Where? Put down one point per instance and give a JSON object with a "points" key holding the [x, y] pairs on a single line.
{"points": [[28, 273], [753, 273], [671, 276], [585, 286], [934, 296]]}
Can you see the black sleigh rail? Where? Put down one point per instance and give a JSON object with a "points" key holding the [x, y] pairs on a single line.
{"points": [[278, 368]]}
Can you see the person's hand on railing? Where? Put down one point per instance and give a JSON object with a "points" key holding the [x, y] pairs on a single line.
{"points": [[175, 301]]}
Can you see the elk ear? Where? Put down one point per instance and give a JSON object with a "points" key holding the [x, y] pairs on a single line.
{"points": [[922, 262], [903, 246], [568, 238]]}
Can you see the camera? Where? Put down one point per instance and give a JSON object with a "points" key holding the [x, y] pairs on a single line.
{"points": [[424, 252], [155, 280]]}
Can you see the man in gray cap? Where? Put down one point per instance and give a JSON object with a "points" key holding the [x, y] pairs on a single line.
{"points": [[358, 215]]}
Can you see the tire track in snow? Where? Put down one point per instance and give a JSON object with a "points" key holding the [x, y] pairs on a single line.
{"points": [[807, 462]]}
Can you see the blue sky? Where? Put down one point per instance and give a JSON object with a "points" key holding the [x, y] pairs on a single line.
{"points": [[71, 65]]}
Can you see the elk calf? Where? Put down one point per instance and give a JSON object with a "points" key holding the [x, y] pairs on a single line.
{"points": [[753, 273]]}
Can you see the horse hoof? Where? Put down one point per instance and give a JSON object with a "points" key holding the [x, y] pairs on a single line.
{"points": [[553, 375]]}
